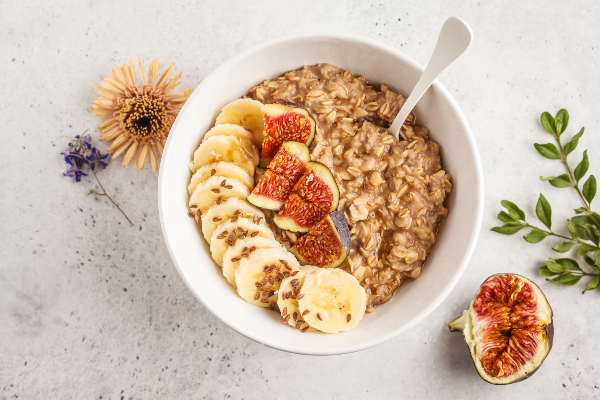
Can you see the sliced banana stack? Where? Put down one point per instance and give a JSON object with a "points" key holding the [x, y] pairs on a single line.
{"points": [[287, 298], [331, 300], [246, 113], [221, 213], [225, 169], [215, 190], [258, 276], [227, 235], [222, 148], [258, 266], [242, 249]]}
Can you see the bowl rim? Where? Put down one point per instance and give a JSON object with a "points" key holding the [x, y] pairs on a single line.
{"points": [[475, 229]]}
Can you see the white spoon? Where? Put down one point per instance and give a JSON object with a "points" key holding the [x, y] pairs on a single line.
{"points": [[455, 38]]}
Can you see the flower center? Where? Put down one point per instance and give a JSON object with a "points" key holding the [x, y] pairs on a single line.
{"points": [[144, 117]]}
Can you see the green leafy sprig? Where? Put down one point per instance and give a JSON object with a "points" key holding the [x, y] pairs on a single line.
{"points": [[583, 228]]}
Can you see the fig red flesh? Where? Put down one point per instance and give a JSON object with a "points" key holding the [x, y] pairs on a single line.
{"points": [[508, 328], [285, 121], [321, 246]]}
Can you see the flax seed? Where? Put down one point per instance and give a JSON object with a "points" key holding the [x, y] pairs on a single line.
{"points": [[300, 296], [254, 234], [298, 325], [305, 312], [216, 219], [228, 187], [295, 316], [215, 190], [235, 259], [304, 330], [264, 300], [194, 206], [223, 183], [348, 317], [284, 312], [271, 281], [295, 273], [237, 212], [252, 248], [286, 274], [320, 316], [213, 171], [219, 200], [257, 296], [234, 219], [191, 214], [286, 319]]}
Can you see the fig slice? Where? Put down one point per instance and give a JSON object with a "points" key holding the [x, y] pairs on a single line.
{"points": [[313, 197], [508, 328], [285, 169], [284, 120], [321, 246]]}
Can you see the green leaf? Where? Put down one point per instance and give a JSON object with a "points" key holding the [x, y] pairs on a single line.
{"points": [[589, 189], [544, 211], [567, 263], [555, 267], [561, 121], [572, 230], [567, 279], [535, 236], [582, 168], [504, 217], [563, 247], [548, 123], [548, 150], [547, 178], [581, 220], [580, 210], [544, 271], [590, 231], [572, 144], [593, 284], [584, 248], [589, 260], [597, 257], [595, 217], [513, 210], [561, 181], [508, 229]]}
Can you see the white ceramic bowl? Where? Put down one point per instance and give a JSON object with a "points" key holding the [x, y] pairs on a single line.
{"points": [[378, 63]]}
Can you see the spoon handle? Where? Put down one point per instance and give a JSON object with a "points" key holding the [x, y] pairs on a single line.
{"points": [[454, 39]]}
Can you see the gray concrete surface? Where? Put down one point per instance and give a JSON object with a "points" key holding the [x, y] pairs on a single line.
{"points": [[91, 308]]}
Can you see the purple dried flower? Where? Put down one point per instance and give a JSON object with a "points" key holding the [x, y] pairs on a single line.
{"points": [[81, 155]]}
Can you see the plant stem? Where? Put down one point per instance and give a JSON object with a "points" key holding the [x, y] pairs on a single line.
{"points": [[110, 198], [574, 183], [550, 233]]}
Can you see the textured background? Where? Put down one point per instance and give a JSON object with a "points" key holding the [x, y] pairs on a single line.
{"points": [[93, 308]]}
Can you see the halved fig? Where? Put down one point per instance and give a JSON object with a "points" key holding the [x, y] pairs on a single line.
{"points": [[321, 246], [285, 120], [313, 197], [508, 328], [285, 169]]}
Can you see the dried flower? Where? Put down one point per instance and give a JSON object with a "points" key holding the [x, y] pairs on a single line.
{"points": [[80, 156], [139, 117]]}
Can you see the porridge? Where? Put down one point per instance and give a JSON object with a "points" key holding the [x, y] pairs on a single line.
{"points": [[392, 192]]}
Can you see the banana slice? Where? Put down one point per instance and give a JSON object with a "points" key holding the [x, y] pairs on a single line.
{"points": [[258, 277], [242, 249], [228, 233], [215, 190], [332, 300], [247, 113], [224, 168], [220, 213], [245, 137], [287, 298], [222, 148]]}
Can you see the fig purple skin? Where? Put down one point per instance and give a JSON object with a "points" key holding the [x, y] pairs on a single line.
{"points": [[341, 224]]}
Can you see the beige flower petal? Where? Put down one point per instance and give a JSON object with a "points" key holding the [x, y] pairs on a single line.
{"points": [[104, 103], [142, 71], [119, 75], [117, 143], [143, 154], [159, 146], [130, 153], [108, 123], [116, 83], [153, 159], [173, 82], [105, 93], [122, 149], [132, 72], [101, 112], [108, 135], [113, 88], [165, 77], [153, 71]]}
